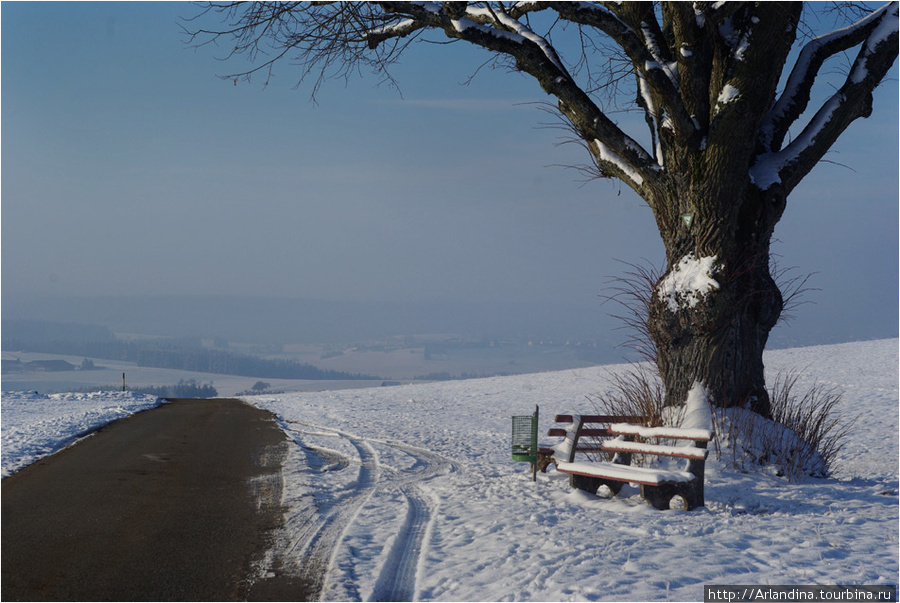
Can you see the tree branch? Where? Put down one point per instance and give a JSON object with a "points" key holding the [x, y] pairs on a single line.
{"points": [[647, 54], [853, 100], [496, 30], [796, 95], [699, 51]]}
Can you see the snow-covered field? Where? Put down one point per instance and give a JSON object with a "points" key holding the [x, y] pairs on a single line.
{"points": [[417, 498], [36, 425]]}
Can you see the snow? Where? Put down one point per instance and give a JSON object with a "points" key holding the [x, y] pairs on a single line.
{"points": [[36, 425], [670, 68], [516, 31], [690, 281], [641, 475], [608, 155], [563, 449], [659, 449], [699, 15], [729, 94], [886, 27], [697, 413], [526, 33], [766, 170], [391, 29], [650, 108], [743, 46], [674, 433], [418, 497], [766, 174]]}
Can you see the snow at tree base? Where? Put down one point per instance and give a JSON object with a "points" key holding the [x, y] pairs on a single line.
{"points": [[418, 498]]}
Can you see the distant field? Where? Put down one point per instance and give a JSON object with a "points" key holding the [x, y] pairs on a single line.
{"points": [[412, 359], [110, 375], [389, 360]]}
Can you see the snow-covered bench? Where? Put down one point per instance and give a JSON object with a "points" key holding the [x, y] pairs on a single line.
{"points": [[658, 485]]}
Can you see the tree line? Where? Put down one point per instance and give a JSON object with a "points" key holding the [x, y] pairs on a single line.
{"points": [[184, 389], [189, 388]]}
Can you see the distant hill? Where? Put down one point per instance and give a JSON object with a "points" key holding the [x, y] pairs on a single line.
{"points": [[280, 320]]}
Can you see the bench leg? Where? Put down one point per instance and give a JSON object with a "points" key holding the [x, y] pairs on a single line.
{"points": [[614, 486], [544, 461], [592, 484], [661, 496], [693, 495], [583, 482]]}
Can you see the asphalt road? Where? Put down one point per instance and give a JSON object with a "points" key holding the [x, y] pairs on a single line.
{"points": [[177, 503]]}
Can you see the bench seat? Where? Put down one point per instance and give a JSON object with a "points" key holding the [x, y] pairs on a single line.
{"points": [[646, 476]]}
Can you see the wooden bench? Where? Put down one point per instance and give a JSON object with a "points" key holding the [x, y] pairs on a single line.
{"points": [[577, 438], [620, 438]]}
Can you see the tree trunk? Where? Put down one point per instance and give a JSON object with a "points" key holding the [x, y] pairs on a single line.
{"points": [[712, 311]]}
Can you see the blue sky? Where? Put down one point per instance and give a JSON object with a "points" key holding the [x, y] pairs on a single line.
{"points": [[130, 168]]}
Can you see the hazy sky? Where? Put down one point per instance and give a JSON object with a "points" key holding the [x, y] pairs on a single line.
{"points": [[128, 167]]}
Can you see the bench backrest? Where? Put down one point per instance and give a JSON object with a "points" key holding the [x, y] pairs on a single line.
{"points": [[627, 427], [576, 430], [590, 431], [666, 433]]}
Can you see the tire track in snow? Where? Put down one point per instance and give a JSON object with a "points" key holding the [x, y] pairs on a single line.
{"points": [[324, 528], [396, 579]]}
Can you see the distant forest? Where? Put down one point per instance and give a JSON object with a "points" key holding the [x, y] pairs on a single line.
{"points": [[184, 389], [99, 342]]}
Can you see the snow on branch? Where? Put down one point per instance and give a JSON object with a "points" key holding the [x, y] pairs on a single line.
{"points": [[607, 155], [713, 13], [376, 35], [494, 26], [887, 27], [878, 36], [511, 25], [669, 68], [873, 29], [644, 45]]}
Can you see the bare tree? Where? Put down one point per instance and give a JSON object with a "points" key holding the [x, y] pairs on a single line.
{"points": [[728, 141]]}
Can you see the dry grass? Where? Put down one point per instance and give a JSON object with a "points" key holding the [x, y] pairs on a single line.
{"points": [[804, 437], [638, 392], [631, 293]]}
